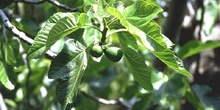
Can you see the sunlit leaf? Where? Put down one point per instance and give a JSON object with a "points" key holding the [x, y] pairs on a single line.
{"points": [[4, 78], [141, 12], [69, 66], [150, 36], [194, 47], [63, 27], [138, 68], [38, 48]]}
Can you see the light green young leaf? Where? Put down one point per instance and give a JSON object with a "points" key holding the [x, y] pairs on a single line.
{"points": [[150, 36], [194, 47], [4, 78], [138, 68], [38, 48], [69, 66]]}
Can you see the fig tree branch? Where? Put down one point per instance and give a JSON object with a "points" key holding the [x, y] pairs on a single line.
{"points": [[54, 2], [21, 35], [119, 101]]}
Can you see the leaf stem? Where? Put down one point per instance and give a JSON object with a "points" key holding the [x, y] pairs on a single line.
{"points": [[112, 21], [93, 27], [116, 31], [104, 32]]}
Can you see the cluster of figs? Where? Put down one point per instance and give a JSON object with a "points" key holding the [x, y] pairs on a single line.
{"points": [[114, 54]]}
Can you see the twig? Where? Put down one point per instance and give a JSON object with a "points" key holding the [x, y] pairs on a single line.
{"points": [[20, 34], [30, 1], [201, 5], [14, 30], [54, 2], [119, 101]]}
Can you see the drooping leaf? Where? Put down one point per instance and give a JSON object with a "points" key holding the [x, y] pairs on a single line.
{"points": [[4, 78], [65, 26], [150, 36], [194, 47], [138, 68], [69, 66], [192, 97], [38, 48]]}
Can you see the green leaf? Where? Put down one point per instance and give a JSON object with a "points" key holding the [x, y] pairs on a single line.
{"points": [[69, 66], [38, 48], [194, 47], [169, 58], [126, 39], [5, 3], [140, 35], [138, 68], [89, 2], [91, 35], [194, 99], [150, 36], [63, 27], [9, 54], [4, 78], [141, 12]]}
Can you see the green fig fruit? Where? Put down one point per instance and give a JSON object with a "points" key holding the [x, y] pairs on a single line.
{"points": [[96, 51], [114, 54]]}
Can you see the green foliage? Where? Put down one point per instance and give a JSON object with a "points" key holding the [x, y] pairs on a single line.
{"points": [[194, 47], [138, 68], [68, 66], [4, 78], [130, 37], [70, 69]]}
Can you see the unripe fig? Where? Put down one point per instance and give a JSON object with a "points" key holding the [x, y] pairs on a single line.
{"points": [[96, 51], [113, 53]]}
